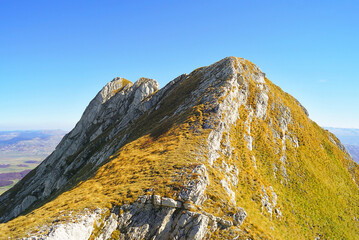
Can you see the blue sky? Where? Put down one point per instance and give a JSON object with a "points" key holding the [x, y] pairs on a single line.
{"points": [[56, 55]]}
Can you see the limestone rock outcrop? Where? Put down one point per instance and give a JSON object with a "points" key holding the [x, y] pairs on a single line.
{"points": [[118, 103]]}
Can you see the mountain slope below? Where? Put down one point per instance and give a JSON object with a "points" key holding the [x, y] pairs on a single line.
{"points": [[219, 153], [354, 151], [346, 135], [350, 138]]}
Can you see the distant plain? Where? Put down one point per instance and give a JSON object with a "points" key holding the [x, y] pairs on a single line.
{"points": [[22, 151]]}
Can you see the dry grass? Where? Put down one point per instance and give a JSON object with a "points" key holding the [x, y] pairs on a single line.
{"points": [[152, 159], [136, 167], [320, 196]]}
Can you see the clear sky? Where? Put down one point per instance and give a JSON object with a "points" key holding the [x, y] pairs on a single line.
{"points": [[56, 55]]}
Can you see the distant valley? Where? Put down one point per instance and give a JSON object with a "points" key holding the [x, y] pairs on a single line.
{"points": [[350, 138], [21, 151]]}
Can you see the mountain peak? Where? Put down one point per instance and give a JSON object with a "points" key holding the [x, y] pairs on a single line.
{"points": [[218, 153], [111, 88]]}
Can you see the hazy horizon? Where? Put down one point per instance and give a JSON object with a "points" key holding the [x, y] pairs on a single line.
{"points": [[69, 129]]}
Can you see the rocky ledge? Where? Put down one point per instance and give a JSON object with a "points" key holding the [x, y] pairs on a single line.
{"points": [[150, 217]]}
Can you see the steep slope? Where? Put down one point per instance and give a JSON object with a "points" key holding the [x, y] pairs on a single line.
{"points": [[219, 153]]}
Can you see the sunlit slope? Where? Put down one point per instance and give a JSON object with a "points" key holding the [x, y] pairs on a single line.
{"points": [[259, 149]]}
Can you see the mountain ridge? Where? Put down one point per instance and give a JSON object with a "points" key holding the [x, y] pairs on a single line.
{"points": [[216, 153]]}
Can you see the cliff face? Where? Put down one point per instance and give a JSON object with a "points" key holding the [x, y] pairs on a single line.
{"points": [[219, 153]]}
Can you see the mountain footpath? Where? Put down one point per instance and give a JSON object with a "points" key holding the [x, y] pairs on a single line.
{"points": [[220, 153]]}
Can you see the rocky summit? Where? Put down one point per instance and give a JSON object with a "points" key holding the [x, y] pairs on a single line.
{"points": [[220, 153]]}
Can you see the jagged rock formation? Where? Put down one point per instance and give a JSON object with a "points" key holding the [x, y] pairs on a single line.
{"points": [[78, 148], [219, 153]]}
